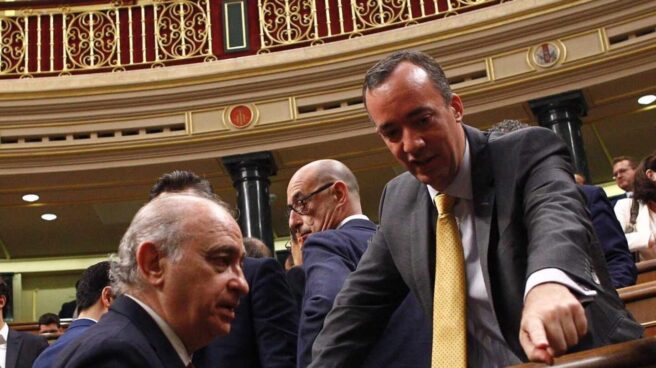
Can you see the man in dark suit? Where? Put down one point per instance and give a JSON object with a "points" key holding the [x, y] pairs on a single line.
{"points": [[94, 296], [327, 224], [179, 275], [529, 251], [21, 348], [263, 333], [265, 327], [621, 267]]}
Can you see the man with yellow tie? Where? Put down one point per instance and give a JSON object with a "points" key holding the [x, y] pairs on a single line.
{"points": [[489, 233]]}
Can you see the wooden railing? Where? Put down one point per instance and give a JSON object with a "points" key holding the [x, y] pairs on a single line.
{"points": [[631, 354], [640, 300], [646, 271]]}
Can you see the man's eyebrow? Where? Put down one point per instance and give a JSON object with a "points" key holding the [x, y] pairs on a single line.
{"points": [[417, 111], [298, 194], [223, 248], [411, 115]]}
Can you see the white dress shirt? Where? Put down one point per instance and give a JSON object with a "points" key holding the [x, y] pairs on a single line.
{"points": [[486, 346], [4, 332], [352, 217], [167, 330], [645, 227]]}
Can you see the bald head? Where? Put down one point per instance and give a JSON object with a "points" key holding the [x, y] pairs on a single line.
{"points": [[321, 195], [329, 171]]}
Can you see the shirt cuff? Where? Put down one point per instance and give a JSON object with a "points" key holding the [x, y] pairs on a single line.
{"points": [[558, 276]]}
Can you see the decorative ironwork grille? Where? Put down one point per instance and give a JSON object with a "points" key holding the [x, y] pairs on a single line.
{"points": [[284, 23], [155, 33]]}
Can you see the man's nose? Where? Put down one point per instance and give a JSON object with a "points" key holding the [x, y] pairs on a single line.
{"points": [[412, 141], [238, 282], [294, 220]]}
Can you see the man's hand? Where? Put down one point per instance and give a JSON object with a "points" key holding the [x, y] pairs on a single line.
{"points": [[552, 321], [297, 249]]}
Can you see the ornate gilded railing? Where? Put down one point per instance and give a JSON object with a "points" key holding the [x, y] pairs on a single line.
{"points": [[292, 22], [132, 34], [62, 41]]}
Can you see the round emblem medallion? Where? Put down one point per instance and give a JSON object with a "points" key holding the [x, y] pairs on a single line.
{"points": [[546, 54], [241, 116]]}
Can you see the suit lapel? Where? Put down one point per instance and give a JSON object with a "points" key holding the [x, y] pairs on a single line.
{"points": [[483, 196], [145, 323], [14, 343], [420, 244]]}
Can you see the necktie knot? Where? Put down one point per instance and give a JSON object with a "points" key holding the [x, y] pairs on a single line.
{"points": [[444, 203]]}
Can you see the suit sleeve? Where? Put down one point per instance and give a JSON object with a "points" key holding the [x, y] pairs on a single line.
{"points": [[326, 270], [361, 310], [621, 266], [554, 215], [275, 317]]}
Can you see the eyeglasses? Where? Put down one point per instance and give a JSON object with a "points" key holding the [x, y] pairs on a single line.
{"points": [[299, 205]]}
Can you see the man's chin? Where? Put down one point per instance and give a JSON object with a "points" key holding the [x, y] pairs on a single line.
{"points": [[426, 179]]}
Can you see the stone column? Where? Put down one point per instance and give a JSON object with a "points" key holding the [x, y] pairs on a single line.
{"points": [[250, 177], [561, 113]]}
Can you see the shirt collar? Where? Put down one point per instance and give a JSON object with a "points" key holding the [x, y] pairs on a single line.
{"points": [[4, 332], [461, 186], [167, 330], [352, 217]]}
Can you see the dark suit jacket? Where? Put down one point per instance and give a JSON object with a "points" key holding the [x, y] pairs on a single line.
{"points": [[296, 280], [23, 348], [264, 331], [621, 266], [77, 327], [528, 215], [124, 337], [328, 258]]}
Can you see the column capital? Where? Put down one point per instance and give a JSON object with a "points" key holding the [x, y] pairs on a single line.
{"points": [[261, 164]]}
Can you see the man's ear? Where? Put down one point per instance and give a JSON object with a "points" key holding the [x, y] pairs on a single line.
{"points": [[3, 301], [106, 296], [457, 106], [340, 192], [150, 263]]}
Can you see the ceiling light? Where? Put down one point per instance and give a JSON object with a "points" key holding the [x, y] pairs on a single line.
{"points": [[30, 197], [49, 216], [646, 99]]}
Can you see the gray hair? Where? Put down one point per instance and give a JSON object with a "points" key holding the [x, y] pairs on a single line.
{"points": [[161, 222]]}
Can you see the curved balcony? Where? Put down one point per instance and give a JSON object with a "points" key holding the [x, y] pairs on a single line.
{"points": [[92, 144], [44, 40]]}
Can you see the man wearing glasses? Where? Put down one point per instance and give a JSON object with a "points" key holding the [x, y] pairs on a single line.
{"points": [[623, 174], [325, 218]]}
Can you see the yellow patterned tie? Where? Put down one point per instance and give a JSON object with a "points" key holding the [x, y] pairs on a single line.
{"points": [[449, 300]]}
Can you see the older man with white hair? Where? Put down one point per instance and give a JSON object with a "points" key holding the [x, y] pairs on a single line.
{"points": [[179, 273]]}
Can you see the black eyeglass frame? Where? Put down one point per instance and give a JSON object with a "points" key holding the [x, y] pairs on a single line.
{"points": [[305, 199]]}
